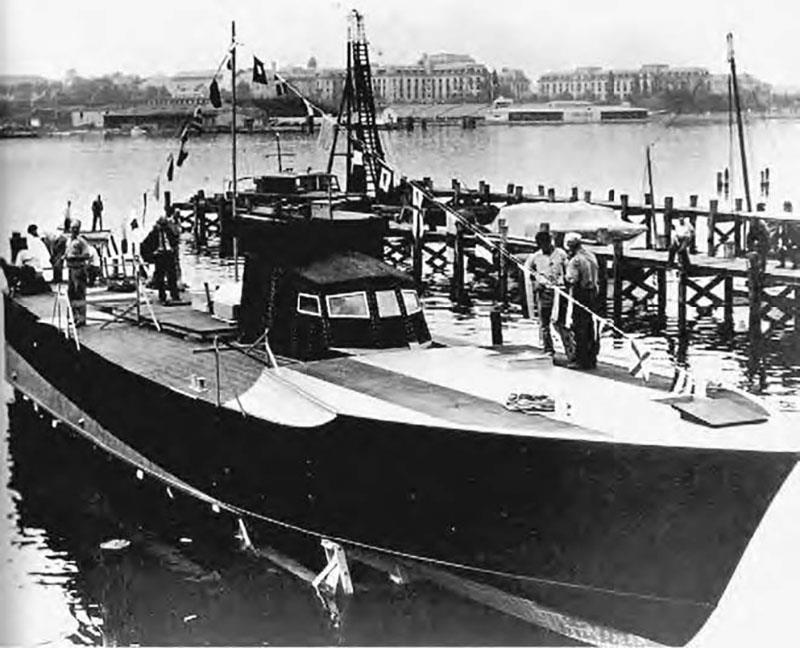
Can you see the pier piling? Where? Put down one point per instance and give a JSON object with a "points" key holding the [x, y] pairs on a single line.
{"points": [[617, 270], [682, 302], [502, 279], [457, 292]]}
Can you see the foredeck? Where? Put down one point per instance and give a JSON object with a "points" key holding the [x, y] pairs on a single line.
{"points": [[458, 387]]}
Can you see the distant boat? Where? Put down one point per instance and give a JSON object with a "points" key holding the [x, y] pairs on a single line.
{"points": [[503, 111], [594, 223]]}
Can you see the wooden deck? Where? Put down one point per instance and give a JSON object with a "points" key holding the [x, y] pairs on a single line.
{"points": [[702, 264], [167, 357]]}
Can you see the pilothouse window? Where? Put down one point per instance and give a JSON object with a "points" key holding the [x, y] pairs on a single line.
{"points": [[388, 305], [411, 301], [308, 304], [348, 305]]}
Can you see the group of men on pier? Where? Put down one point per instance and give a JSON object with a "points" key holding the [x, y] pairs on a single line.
{"points": [[41, 260], [551, 271]]}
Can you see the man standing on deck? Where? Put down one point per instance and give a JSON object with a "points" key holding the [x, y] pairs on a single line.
{"points": [[97, 214], [545, 269], [161, 247], [581, 277], [77, 256]]}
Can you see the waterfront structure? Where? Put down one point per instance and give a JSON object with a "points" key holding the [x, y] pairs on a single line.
{"points": [[597, 84], [504, 111]]}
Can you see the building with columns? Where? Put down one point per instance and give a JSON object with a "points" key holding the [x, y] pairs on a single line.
{"points": [[438, 78], [597, 84]]}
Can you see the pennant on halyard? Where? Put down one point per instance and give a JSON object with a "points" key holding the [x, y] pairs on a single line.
{"points": [[281, 88], [170, 166], [193, 124], [357, 156], [599, 325], [417, 197], [385, 179], [259, 73], [182, 155], [639, 367], [213, 94]]}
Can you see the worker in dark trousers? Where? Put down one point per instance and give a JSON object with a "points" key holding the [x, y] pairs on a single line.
{"points": [[581, 278], [77, 257], [97, 214], [161, 248]]}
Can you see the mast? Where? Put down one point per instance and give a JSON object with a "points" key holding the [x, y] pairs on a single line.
{"points": [[739, 123], [233, 152]]}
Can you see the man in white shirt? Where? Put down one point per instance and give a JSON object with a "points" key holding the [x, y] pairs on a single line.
{"points": [[544, 269], [36, 255], [682, 235]]}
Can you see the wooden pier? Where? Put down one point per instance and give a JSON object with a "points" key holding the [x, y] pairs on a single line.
{"points": [[722, 274]]}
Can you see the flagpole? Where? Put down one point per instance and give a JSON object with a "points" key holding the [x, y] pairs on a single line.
{"points": [[233, 156]]}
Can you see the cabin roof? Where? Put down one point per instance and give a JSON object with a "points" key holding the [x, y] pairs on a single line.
{"points": [[341, 267]]}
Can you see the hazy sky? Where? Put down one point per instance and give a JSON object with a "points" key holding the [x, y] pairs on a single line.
{"points": [[48, 37]]}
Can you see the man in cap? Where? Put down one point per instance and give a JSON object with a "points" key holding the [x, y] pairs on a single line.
{"points": [[544, 270], [77, 255], [581, 278], [161, 248]]}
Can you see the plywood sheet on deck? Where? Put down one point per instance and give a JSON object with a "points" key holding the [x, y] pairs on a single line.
{"points": [[432, 399]]}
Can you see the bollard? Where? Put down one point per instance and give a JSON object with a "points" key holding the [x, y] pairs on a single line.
{"points": [[541, 190], [551, 194], [510, 189], [610, 195], [496, 319], [518, 193], [587, 196], [574, 194]]}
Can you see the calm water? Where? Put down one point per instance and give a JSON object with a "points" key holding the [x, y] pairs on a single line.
{"points": [[59, 587]]}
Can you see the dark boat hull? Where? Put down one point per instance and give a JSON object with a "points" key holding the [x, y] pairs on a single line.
{"points": [[649, 535]]}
